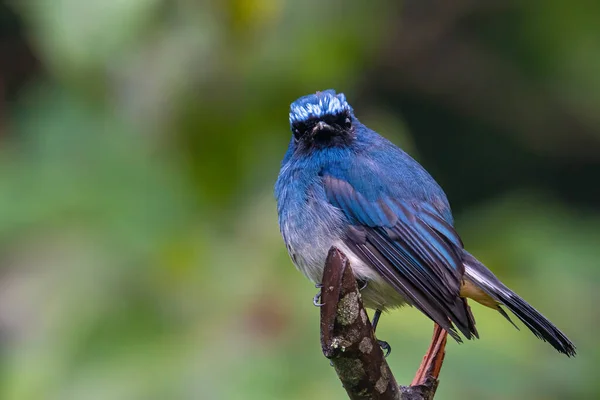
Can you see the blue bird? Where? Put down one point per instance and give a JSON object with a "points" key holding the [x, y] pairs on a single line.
{"points": [[341, 184]]}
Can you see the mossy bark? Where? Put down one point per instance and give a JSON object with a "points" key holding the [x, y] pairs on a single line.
{"points": [[347, 339]]}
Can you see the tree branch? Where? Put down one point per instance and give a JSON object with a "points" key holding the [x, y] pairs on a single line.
{"points": [[347, 339]]}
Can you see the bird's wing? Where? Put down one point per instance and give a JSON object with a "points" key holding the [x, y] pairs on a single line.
{"points": [[410, 245]]}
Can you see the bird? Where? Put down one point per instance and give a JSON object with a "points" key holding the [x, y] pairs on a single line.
{"points": [[342, 184]]}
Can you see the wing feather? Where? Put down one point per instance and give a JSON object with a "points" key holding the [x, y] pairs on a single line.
{"points": [[412, 247]]}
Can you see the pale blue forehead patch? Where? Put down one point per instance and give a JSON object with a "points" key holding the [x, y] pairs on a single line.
{"points": [[317, 105]]}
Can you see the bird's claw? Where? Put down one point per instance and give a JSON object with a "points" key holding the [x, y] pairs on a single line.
{"points": [[317, 298], [364, 285], [385, 346]]}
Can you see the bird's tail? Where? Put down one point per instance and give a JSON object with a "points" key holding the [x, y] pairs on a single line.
{"points": [[487, 283]]}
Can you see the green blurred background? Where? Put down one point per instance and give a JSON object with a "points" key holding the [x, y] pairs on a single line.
{"points": [[140, 256]]}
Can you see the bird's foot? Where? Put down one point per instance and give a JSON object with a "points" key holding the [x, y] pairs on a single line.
{"points": [[317, 298], [385, 346], [362, 284]]}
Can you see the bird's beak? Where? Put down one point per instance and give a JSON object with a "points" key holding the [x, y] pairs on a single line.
{"points": [[321, 126]]}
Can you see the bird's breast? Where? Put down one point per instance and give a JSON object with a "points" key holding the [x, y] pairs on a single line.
{"points": [[310, 225]]}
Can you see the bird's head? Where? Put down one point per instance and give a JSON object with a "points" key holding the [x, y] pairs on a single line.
{"points": [[323, 119]]}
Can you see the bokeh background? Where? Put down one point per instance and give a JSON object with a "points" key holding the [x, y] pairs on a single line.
{"points": [[140, 256]]}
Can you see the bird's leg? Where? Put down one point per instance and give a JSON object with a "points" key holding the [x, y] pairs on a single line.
{"points": [[376, 319], [432, 362], [317, 298], [385, 346]]}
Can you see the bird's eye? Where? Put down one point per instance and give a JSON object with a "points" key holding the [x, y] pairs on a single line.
{"points": [[297, 129], [343, 121]]}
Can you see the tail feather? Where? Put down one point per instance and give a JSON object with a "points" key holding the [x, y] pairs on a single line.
{"points": [[505, 315], [541, 327]]}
